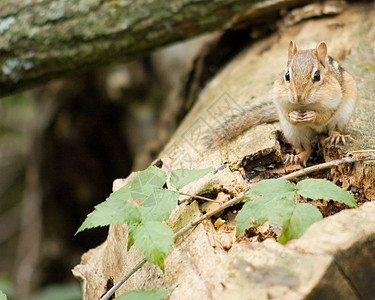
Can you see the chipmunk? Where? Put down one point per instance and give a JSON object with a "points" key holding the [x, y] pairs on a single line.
{"points": [[314, 95]]}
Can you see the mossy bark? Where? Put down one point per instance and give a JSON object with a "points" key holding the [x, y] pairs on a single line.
{"points": [[40, 40]]}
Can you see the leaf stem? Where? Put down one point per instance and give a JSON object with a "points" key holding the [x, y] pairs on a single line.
{"points": [[327, 165], [199, 197], [220, 208], [123, 279]]}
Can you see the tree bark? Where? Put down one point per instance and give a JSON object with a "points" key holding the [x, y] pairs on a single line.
{"points": [[334, 259], [41, 40]]}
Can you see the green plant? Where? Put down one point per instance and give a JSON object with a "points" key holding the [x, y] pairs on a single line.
{"points": [[275, 203], [144, 204]]}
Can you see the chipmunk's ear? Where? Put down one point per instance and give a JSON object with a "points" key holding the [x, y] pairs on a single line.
{"points": [[321, 53], [292, 50]]}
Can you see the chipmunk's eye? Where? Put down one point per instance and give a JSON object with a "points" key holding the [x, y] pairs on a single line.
{"points": [[287, 76], [316, 76]]}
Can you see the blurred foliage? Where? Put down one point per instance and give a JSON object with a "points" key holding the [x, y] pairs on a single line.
{"points": [[75, 136], [17, 115], [6, 285], [59, 292], [65, 143], [83, 131]]}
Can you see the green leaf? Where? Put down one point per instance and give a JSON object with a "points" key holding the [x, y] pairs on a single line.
{"points": [[271, 188], [144, 295], [154, 239], [2, 296], [146, 182], [142, 184], [181, 177], [111, 211], [117, 209], [158, 205], [131, 241], [303, 216], [275, 204], [323, 189], [122, 193], [276, 210]]}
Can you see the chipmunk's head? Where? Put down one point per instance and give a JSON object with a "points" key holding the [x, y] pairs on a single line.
{"points": [[305, 72]]}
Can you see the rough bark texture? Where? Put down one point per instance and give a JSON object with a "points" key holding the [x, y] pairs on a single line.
{"points": [[335, 257], [41, 40]]}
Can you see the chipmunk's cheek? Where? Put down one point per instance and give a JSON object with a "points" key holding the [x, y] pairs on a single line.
{"points": [[314, 97], [290, 98]]}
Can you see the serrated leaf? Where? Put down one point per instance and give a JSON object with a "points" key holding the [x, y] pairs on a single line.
{"points": [[154, 239], [271, 188], [276, 210], [158, 205], [181, 177], [146, 182], [122, 193], [323, 189], [303, 216], [117, 209], [142, 184], [144, 295], [111, 211]]}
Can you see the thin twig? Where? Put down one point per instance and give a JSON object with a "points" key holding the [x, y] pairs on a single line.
{"points": [[199, 197], [123, 279], [220, 208], [326, 165], [178, 233]]}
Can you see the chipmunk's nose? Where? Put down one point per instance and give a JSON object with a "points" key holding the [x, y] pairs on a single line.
{"points": [[299, 99]]}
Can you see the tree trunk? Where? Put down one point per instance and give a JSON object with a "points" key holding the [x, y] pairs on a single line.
{"points": [[335, 257], [46, 39]]}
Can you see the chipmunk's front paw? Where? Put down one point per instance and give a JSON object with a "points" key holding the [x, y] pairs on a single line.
{"points": [[300, 117], [337, 139], [292, 159]]}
